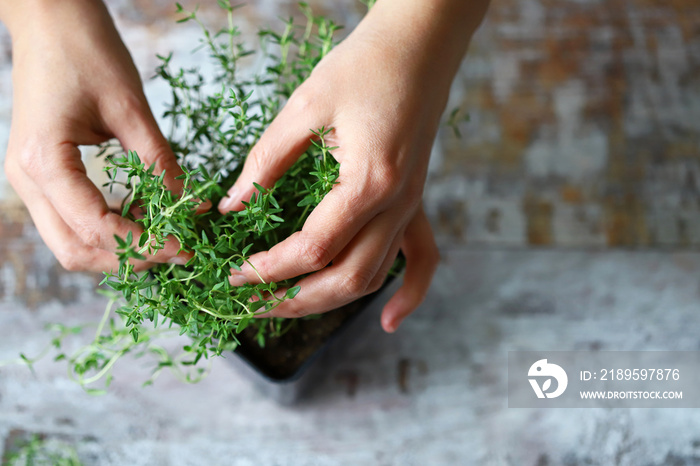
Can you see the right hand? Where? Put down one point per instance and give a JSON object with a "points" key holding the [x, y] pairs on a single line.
{"points": [[76, 84]]}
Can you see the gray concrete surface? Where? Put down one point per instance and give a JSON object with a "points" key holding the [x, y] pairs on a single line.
{"points": [[434, 393]]}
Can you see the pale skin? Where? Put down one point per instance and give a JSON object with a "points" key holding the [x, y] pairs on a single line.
{"points": [[383, 90]]}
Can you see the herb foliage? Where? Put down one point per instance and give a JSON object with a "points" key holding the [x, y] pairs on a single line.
{"points": [[39, 450], [215, 121]]}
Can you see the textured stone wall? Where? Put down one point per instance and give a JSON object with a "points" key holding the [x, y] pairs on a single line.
{"points": [[585, 127]]}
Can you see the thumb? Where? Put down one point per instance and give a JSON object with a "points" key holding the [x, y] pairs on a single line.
{"points": [[282, 143]]}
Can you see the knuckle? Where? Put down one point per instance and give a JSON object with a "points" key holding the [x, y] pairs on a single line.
{"points": [[90, 234], [258, 159], [158, 153], [69, 260], [261, 266], [132, 104], [356, 283], [315, 254], [354, 198], [28, 160], [388, 183], [389, 176], [301, 102], [121, 103], [376, 283], [289, 310]]}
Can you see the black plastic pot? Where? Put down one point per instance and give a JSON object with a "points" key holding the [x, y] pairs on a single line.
{"points": [[290, 385]]}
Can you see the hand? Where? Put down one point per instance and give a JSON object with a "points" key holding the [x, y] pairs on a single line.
{"points": [[383, 91], [75, 84]]}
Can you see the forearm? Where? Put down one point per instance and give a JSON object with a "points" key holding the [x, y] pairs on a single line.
{"points": [[21, 17], [432, 34]]}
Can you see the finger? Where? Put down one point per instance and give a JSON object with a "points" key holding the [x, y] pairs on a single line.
{"points": [[422, 258], [328, 230], [351, 276], [71, 253], [282, 143], [61, 174], [137, 130], [383, 273]]}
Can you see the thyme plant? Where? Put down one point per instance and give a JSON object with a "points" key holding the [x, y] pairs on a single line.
{"points": [[215, 121], [39, 450]]}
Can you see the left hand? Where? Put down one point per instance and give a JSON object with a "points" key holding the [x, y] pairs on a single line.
{"points": [[383, 91]]}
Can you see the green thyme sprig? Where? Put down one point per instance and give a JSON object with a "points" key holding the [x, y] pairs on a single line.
{"points": [[40, 450], [214, 124]]}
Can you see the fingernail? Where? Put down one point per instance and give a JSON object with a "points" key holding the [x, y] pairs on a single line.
{"points": [[237, 278], [177, 260], [225, 204], [228, 202], [392, 326]]}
